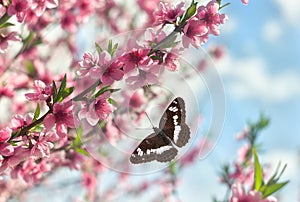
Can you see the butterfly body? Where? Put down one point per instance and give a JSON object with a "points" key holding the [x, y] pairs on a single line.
{"points": [[172, 131]]}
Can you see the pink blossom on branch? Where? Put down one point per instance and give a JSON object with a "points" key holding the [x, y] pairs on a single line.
{"points": [[62, 117], [168, 13], [5, 134], [42, 91], [195, 33], [135, 58], [97, 110], [18, 8]]}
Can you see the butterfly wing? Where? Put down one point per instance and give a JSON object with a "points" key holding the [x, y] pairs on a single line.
{"points": [[154, 147], [173, 123]]}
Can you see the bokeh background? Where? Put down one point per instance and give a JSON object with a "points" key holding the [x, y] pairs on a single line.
{"points": [[261, 74]]}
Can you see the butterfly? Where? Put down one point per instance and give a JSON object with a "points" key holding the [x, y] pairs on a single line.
{"points": [[172, 131]]}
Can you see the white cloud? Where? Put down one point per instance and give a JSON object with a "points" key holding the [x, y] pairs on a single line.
{"points": [[290, 10], [272, 31], [249, 78]]}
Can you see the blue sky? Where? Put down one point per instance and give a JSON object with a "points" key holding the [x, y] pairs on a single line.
{"points": [[261, 73]]}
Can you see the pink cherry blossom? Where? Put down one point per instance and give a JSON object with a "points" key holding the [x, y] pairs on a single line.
{"points": [[89, 61], [18, 7], [5, 134], [210, 16], [145, 75], [18, 121], [97, 110], [62, 118], [136, 57], [112, 73], [41, 146], [39, 6], [42, 91], [20, 154], [239, 194], [172, 61], [6, 149], [168, 13], [195, 33], [6, 40]]}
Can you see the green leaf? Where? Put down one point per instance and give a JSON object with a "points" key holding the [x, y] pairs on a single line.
{"points": [[37, 112], [109, 48], [114, 49], [98, 48], [7, 24], [29, 67], [101, 91], [190, 12], [54, 92], [273, 188], [61, 91], [4, 19], [258, 174], [102, 124], [82, 151], [112, 101], [67, 92], [223, 6]]}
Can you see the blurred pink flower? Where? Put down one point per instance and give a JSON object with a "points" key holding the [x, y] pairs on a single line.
{"points": [[6, 91], [137, 99], [18, 7], [5, 134], [62, 118], [89, 181], [210, 16], [239, 194], [244, 134], [32, 171], [242, 153], [42, 91], [245, 2], [68, 20], [6, 40], [39, 6], [195, 32]]}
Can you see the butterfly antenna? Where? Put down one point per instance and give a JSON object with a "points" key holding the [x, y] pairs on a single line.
{"points": [[149, 119]]}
